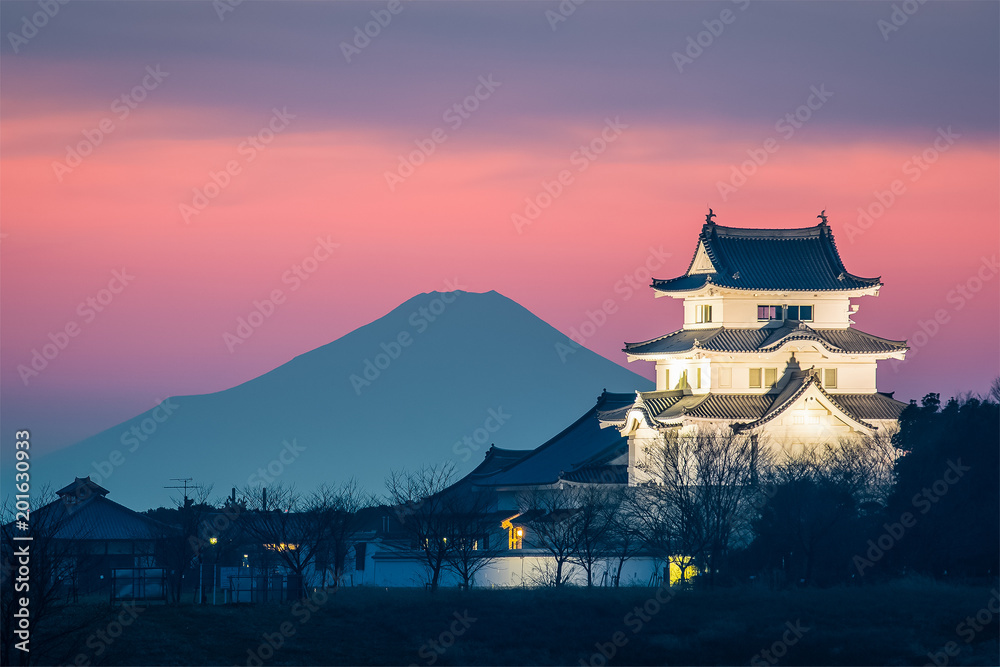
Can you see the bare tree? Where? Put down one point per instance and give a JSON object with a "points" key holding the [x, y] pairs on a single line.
{"points": [[594, 522], [179, 548], [624, 536], [292, 528], [54, 556], [702, 491], [863, 465], [471, 527], [338, 510], [421, 507], [554, 525]]}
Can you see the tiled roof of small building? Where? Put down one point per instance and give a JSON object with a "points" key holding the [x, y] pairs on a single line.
{"points": [[803, 259], [765, 339]]}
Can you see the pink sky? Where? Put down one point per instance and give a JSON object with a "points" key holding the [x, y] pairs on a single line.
{"points": [[451, 220]]}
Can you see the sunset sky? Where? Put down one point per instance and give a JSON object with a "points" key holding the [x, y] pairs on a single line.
{"points": [[191, 158]]}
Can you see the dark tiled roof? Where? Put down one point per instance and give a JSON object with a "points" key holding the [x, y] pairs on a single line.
{"points": [[82, 487], [497, 458], [765, 339], [97, 518], [605, 474], [870, 406], [581, 444], [804, 259], [668, 408]]}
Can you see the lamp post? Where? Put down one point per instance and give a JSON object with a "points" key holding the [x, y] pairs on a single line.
{"points": [[215, 569]]}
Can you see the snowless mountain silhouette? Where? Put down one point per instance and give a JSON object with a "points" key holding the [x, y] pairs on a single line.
{"points": [[439, 378]]}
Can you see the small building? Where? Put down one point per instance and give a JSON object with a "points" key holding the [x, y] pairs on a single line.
{"points": [[93, 535]]}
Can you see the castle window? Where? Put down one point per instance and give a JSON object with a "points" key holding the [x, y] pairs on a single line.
{"points": [[830, 378], [769, 313], [763, 377], [801, 313], [702, 314], [699, 379]]}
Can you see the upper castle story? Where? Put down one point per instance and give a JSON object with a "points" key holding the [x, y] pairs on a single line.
{"points": [[753, 278]]}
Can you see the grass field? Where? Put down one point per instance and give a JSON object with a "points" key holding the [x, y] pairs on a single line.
{"points": [[889, 624]]}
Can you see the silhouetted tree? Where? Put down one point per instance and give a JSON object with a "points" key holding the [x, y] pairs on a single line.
{"points": [[423, 512], [947, 479]]}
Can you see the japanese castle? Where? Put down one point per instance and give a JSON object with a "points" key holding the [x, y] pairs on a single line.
{"points": [[767, 345], [767, 348]]}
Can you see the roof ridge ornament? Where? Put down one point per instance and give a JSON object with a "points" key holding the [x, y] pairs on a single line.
{"points": [[709, 219], [822, 217]]}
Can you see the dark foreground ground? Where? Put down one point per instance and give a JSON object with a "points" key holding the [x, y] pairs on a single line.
{"points": [[890, 624]]}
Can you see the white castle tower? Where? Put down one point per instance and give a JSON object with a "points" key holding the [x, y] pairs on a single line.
{"points": [[767, 345]]}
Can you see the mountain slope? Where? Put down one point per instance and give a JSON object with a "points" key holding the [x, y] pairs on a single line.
{"points": [[439, 378]]}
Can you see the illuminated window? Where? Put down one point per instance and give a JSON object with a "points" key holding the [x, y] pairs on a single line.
{"points": [[755, 378], [702, 314], [769, 313], [770, 376], [830, 378], [666, 378], [515, 534], [802, 313], [699, 379]]}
